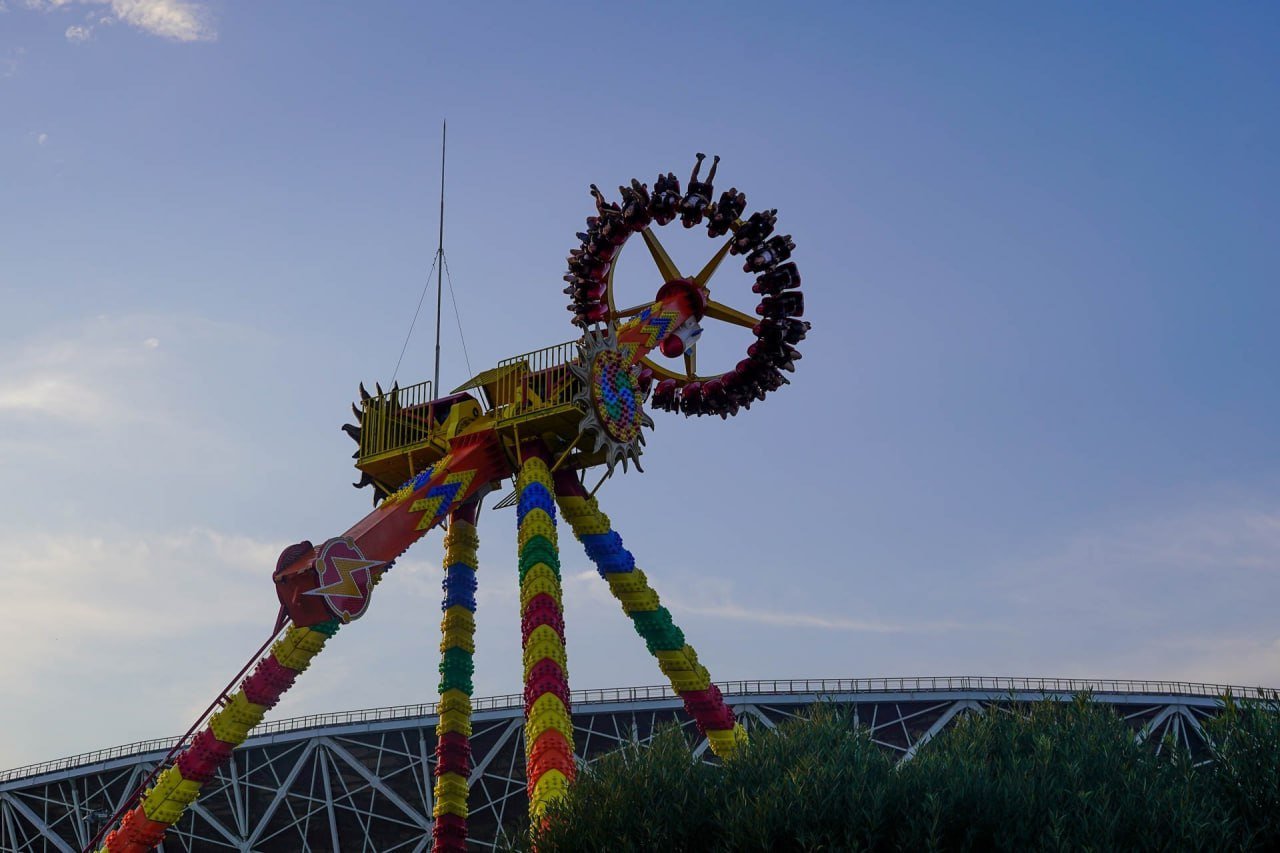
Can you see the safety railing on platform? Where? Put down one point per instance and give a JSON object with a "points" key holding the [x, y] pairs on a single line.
{"points": [[819, 687], [536, 381], [398, 418]]}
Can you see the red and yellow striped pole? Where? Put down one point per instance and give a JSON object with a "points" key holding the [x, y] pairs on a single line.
{"points": [[143, 828], [548, 727]]}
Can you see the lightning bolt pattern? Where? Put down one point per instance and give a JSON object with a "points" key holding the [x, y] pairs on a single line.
{"points": [[346, 584]]}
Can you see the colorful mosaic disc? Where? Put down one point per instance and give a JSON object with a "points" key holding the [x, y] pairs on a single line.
{"points": [[615, 396]]}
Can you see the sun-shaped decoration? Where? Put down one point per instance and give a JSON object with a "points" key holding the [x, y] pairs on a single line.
{"points": [[611, 399]]}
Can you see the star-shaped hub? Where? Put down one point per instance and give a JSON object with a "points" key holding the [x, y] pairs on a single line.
{"points": [[611, 399]]}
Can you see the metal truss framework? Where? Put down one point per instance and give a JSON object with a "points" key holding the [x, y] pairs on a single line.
{"points": [[362, 781]]}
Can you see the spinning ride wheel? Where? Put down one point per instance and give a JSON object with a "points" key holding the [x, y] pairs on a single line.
{"points": [[776, 325]]}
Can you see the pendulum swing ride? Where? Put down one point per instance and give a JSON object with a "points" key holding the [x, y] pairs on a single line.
{"points": [[543, 419]]}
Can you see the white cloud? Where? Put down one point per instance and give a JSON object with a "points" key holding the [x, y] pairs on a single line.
{"points": [[55, 396], [42, 138], [151, 343], [151, 616], [179, 20], [175, 19]]}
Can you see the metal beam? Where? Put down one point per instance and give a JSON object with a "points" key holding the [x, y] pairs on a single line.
{"points": [[941, 723], [755, 712], [1154, 723], [478, 770], [281, 792], [207, 816], [374, 782], [323, 759], [43, 828]]}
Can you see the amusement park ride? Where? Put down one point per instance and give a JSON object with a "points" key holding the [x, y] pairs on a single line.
{"points": [[543, 419]]}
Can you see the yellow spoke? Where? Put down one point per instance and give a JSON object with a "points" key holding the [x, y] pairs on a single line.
{"points": [[691, 363], [660, 257], [710, 269], [717, 311]]}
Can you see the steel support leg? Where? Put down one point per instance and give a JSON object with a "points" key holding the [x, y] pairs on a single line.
{"points": [[666, 642], [548, 733], [457, 647]]}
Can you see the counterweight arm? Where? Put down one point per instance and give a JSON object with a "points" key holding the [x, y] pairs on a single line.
{"points": [[320, 589]]}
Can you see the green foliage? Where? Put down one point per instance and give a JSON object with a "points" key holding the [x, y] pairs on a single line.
{"points": [[1046, 776], [1246, 780]]}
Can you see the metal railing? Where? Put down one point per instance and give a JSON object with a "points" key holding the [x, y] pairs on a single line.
{"points": [[541, 380], [775, 687], [398, 418]]}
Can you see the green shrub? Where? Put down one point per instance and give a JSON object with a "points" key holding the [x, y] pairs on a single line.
{"points": [[1044, 776], [1246, 772]]}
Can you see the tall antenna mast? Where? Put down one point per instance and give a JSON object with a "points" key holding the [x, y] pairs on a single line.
{"points": [[435, 382]]}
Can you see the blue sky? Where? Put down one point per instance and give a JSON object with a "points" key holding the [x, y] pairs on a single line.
{"points": [[1033, 433]]}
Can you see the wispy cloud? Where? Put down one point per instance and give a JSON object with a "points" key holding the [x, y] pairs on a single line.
{"points": [[10, 61], [58, 396], [118, 613], [1187, 594], [1218, 542], [129, 583], [719, 594], [794, 619], [89, 376], [177, 20]]}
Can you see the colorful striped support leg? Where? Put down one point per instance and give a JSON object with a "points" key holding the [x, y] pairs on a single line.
{"points": [[676, 658], [457, 646], [548, 728], [162, 805]]}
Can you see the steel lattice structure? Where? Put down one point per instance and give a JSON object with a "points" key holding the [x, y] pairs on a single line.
{"points": [[362, 780]]}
